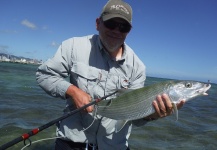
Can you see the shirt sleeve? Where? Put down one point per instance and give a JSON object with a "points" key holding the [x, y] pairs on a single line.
{"points": [[52, 73], [139, 74]]}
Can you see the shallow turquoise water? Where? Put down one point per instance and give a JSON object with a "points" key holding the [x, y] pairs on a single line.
{"points": [[25, 106]]}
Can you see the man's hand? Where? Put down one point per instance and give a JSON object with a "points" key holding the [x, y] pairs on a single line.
{"points": [[163, 107], [79, 97]]}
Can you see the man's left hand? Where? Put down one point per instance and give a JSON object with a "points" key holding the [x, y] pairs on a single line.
{"points": [[163, 107]]}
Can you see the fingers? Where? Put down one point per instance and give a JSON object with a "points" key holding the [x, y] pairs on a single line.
{"points": [[90, 108], [86, 99], [181, 104], [168, 104], [163, 106], [160, 108], [81, 99]]}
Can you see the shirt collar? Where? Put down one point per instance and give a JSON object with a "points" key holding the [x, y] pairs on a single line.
{"points": [[101, 48]]}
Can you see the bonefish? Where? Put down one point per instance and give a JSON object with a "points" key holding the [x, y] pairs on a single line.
{"points": [[137, 104]]}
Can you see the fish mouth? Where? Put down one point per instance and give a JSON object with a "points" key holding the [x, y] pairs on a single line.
{"points": [[204, 89]]}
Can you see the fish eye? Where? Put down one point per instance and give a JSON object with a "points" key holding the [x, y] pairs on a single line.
{"points": [[188, 85]]}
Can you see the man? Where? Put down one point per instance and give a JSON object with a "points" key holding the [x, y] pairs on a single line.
{"points": [[97, 65]]}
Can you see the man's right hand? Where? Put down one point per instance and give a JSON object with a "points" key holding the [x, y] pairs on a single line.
{"points": [[79, 97]]}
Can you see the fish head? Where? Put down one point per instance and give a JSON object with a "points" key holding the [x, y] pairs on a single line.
{"points": [[186, 90]]}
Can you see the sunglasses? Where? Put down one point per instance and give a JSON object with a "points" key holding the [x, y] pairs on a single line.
{"points": [[123, 27]]}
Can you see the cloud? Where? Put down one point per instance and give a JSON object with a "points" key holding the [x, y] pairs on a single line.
{"points": [[44, 27], [54, 44], [28, 24], [8, 31]]}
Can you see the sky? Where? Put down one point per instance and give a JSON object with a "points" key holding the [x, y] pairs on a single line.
{"points": [[174, 38]]}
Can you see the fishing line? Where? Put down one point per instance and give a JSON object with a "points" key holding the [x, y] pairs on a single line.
{"points": [[46, 139], [39, 129], [94, 116]]}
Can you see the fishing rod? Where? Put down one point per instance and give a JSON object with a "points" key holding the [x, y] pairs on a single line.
{"points": [[26, 136]]}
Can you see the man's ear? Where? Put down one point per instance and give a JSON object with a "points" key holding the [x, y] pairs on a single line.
{"points": [[97, 23]]}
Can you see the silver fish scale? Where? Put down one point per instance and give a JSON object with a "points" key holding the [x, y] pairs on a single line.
{"points": [[132, 105]]}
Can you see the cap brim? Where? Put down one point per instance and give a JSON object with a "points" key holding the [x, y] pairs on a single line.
{"points": [[110, 16]]}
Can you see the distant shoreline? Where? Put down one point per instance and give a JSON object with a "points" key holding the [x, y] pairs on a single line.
{"points": [[25, 63], [18, 59]]}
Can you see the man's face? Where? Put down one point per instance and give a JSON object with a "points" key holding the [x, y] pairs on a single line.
{"points": [[110, 35]]}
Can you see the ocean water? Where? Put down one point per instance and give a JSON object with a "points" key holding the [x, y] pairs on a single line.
{"points": [[25, 106]]}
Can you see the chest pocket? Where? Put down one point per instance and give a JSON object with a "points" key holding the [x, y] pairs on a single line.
{"points": [[95, 81], [115, 81], [84, 76]]}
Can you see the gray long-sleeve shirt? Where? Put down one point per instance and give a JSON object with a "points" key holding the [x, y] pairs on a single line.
{"points": [[90, 68]]}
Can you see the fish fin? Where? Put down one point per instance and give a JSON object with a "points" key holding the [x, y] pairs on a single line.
{"points": [[95, 110], [123, 91], [106, 103], [175, 110], [120, 124], [109, 103]]}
